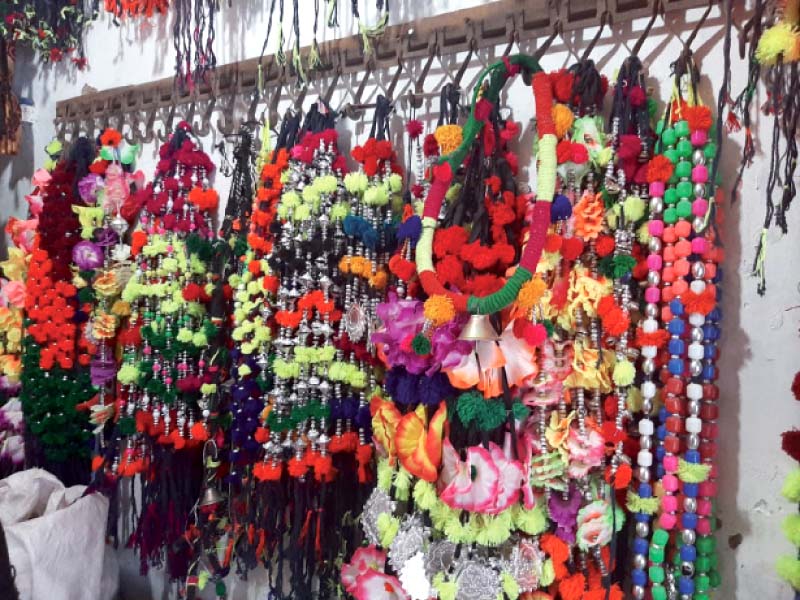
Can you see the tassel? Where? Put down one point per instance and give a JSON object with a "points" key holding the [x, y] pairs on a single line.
{"points": [[759, 264], [333, 13]]}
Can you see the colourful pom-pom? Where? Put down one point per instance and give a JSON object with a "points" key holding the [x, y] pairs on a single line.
{"points": [[421, 345]]}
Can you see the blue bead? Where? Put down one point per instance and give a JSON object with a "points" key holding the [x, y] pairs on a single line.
{"points": [[686, 585], [689, 520], [709, 372], [676, 306], [638, 577], [709, 352], [662, 414], [715, 314], [645, 490], [660, 472], [690, 489], [718, 276], [676, 347], [675, 366], [661, 451], [688, 553], [661, 432], [676, 327], [641, 517], [692, 456], [640, 546], [711, 332]]}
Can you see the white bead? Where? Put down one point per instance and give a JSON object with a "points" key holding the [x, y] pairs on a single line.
{"points": [[646, 427], [693, 425], [696, 351], [694, 391], [644, 458], [697, 319], [649, 389], [649, 351], [649, 325], [698, 286]]}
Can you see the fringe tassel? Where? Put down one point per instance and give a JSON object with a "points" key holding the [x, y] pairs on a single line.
{"points": [[759, 264], [333, 13]]}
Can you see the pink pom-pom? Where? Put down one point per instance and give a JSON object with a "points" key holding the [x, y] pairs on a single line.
{"points": [[704, 527], [699, 137], [708, 489], [671, 465], [654, 262], [669, 504], [698, 245], [700, 174], [656, 227], [657, 188], [669, 482], [652, 295], [699, 207], [667, 521]]}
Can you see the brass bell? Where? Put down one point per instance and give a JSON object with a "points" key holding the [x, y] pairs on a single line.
{"points": [[479, 328], [211, 496]]}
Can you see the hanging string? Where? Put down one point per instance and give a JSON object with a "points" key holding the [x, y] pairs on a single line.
{"points": [[370, 32], [790, 112], [297, 59], [314, 59], [380, 124], [722, 100], [264, 49], [280, 56]]}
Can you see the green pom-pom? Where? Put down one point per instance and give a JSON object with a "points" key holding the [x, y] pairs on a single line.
{"points": [[520, 411], [54, 148], [402, 484], [791, 529], [220, 589], [549, 327], [85, 295], [691, 472], [107, 153], [127, 426], [791, 487], [510, 586], [421, 345], [788, 569], [652, 107], [494, 414]]}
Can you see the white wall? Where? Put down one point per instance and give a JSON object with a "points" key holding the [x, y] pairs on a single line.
{"points": [[760, 339]]}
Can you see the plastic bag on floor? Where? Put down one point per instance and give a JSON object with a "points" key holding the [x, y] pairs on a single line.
{"points": [[56, 539]]}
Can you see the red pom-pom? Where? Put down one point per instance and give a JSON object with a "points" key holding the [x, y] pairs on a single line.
{"points": [[572, 248], [790, 442], [610, 407], [480, 257], [571, 588], [604, 245], [430, 147], [493, 183], [564, 151], [796, 386], [637, 97], [417, 191], [615, 322], [450, 271], [659, 168], [383, 149], [404, 269], [553, 242], [562, 85], [698, 117], [414, 128], [534, 335], [580, 154], [629, 147], [504, 253], [606, 305], [449, 240], [483, 285]]}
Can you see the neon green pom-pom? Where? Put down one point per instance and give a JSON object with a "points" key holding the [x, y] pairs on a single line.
{"points": [[510, 586], [791, 529], [633, 208], [788, 569], [402, 484], [624, 373], [388, 526], [791, 487]]}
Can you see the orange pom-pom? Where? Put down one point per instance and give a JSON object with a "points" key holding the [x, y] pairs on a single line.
{"points": [[297, 467], [111, 137], [199, 432], [138, 240], [615, 322], [621, 478], [702, 303], [659, 168], [261, 435], [698, 117], [572, 587], [606, 305]]}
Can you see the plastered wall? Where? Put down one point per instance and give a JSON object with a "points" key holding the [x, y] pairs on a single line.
{"points": [[760, 343]]}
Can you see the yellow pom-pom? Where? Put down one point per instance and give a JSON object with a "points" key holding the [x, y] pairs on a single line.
{"points": [[531, 293], [633, 208], [791, 487], [439, 309], [449, 138], [624, 372], [780, 40], [788, 569], [562, 119]]}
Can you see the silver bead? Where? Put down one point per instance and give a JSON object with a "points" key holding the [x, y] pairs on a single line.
{"points": [[643, 474], [693, 406], [651, 310], [648, 366], [698, 157], [639, 561], [656, 205], [697, 334], [698, 270], [654, 245], [689, 505], [687, 568], [647, 406], [688, 535], [693, 441], [645, 442], [695, 368], [700, 190], [638, 592], [653, 278], [699, 224], [642, 529]]}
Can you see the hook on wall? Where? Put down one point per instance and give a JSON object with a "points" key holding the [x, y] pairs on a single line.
{"points": [[658, 9], [605, 19]]}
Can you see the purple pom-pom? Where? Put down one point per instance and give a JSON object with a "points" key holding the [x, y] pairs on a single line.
{"points": [[561, 209]]}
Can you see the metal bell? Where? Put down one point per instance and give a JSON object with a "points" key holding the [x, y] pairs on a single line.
{"points": [[211, 496], [479, 328]]}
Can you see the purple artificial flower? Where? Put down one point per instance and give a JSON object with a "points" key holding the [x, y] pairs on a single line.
{"points": [[87, 255], [102, 371], [105, 236], [88, 186], [564, 512]]}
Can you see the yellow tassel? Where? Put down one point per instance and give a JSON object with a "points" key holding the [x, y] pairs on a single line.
{"points": [[779, 41], [692, 473]]}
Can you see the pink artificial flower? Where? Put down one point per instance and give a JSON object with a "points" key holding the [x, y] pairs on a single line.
{"points": [[585, 452], [364, 559], [14, 293], [596, 522], [374, 585], [35, 203], [22, 232], [487, 482]]}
